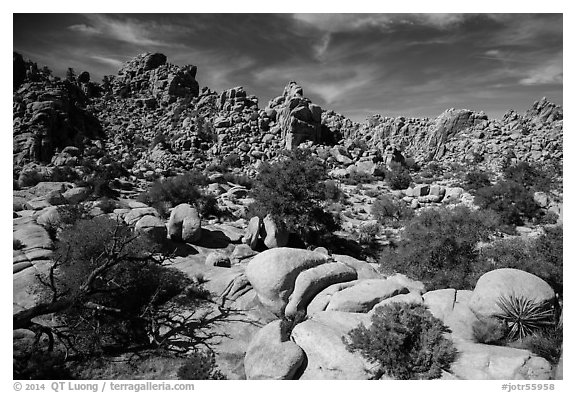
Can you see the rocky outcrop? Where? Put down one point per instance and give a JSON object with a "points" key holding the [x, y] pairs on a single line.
{"points": [[271, 355], [321, 338], [312, 281], [150, 75], [49, 116], [273, 274], [299, 120], [363, 296]]}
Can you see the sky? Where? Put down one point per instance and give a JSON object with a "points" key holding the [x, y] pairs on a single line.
{"points": [[414, 65]]}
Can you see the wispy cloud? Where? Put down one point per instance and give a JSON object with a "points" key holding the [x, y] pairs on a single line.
{"points": [[352, 22], [549, 73], [107, 60], [84, 29], [122, 29]]}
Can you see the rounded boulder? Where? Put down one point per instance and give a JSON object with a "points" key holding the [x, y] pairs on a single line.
{"points": [[273, 273], [507, 283]]}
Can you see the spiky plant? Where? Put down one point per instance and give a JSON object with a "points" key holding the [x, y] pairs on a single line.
{"points": [[524, 316]]}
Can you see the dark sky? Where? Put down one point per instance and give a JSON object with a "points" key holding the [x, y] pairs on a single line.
{"points": [[358, 65]]}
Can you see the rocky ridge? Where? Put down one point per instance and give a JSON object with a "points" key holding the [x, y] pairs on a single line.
{"points": [[156, 122]]}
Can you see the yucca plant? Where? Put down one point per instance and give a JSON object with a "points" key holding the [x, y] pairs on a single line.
{"points": [[524, 316]]}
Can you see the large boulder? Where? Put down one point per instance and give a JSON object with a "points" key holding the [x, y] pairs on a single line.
{"points": [[363, 269], [322, 299], [273, 273], [184, 223], [363, 296], [271, 355], [310, 282], [505, 283], [77, 194], [192, 228], [321, 338], [153, 227], [274, 232], [134, 215], [251, 235]]}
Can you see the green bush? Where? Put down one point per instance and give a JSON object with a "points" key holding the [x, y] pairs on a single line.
{"points": [[511, 200], [406, 342], [128, 284], [524, 316], [547, 343], [542, 256], [433, 169], [529, 176], [438, 247], [200, 366], [294, 191], [333, 192], [107, 205], [170, 192], [489, 331], [17, 244], [476, 179], [232, 161], [368, 232], [385, 210], [398, 178]]}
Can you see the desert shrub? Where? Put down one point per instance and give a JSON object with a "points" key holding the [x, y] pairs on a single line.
{"points": [[385, 210], [432, 169], [368, 232], [63, 173], [438, 247], [524, 316], [542, 256], [17, 244], [406, 342], [293, 190], [107, 205], [111, 284], [166, 193], [372, 193], [548, 218], [70, 214], [333, 192], [547, 343], [511, 200], [476, 179], [41, 366], [357, 177], [411, 164], [529, 176], [102, 175], [398, 178], [200, 366], [232, 161], [489, 331]]}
